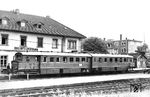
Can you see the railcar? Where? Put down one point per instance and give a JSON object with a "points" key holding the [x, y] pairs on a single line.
{"points": [[110, 63], [68, 63]]}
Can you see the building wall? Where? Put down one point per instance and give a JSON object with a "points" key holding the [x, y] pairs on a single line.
{"points": [[112, 51], [14, 41], [124, 46], [132, 46]]}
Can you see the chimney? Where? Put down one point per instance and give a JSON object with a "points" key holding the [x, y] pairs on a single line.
{"points": [[120, 36], [16, 11], [104, 39], [47, 16]]}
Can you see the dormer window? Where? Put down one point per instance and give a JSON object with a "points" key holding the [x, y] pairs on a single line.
{"points": [[38, 25], [22, 23], [4, 21]]}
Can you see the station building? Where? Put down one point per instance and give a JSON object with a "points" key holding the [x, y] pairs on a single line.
{"points": [[29, 33]]}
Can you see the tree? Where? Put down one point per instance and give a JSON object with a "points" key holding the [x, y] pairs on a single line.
{"points": [[95, 45]]}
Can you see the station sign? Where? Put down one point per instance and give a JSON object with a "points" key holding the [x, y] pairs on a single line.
{"points": [[25, 49]]}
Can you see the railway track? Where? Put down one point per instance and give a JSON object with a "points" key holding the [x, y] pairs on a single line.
{"points": [[106, 87]]}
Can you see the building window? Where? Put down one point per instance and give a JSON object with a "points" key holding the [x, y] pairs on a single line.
{"points": [[125, 50], [23, 41], [4, 39], [55, 44], [3, 61], [72, 44], [122, 50], [40, 42]]}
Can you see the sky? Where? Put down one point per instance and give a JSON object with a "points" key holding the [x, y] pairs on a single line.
{"points": [[93, 18]]}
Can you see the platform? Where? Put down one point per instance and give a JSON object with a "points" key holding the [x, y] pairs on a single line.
{"points": [[12, 84]]}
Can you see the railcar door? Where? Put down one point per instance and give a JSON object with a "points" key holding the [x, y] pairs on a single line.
{"points": [[39, 63], [90, 60]]}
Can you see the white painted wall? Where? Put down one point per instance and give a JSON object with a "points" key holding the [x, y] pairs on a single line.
{"points": [[132, 46], [78, 43], [14, 41]]}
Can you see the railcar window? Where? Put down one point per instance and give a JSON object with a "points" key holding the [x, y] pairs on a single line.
{"points": [[37, 58], [130, 60], [57, 59], [71, 59], [77, 59], [83, 59], [44, 59], [87, 59], [111, 60], [18, 56], [64, 59], [105, 59], [51, 59], [100, 60], [27, 59], [120, 59], [116, 59], [125, 59]]}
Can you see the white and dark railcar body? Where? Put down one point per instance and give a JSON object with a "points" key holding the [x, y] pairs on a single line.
{"points": [[68, 63]]}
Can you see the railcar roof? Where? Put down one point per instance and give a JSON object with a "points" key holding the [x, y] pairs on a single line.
{"points": [[73, 54], [55, 54], [110, 55]]}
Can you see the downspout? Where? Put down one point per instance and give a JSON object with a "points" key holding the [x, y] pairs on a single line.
{"points": [[90, 63], [63, 44]]}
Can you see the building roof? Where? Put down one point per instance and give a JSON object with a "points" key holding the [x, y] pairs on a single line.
{"points": [[48, 25], [128, 40]]}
